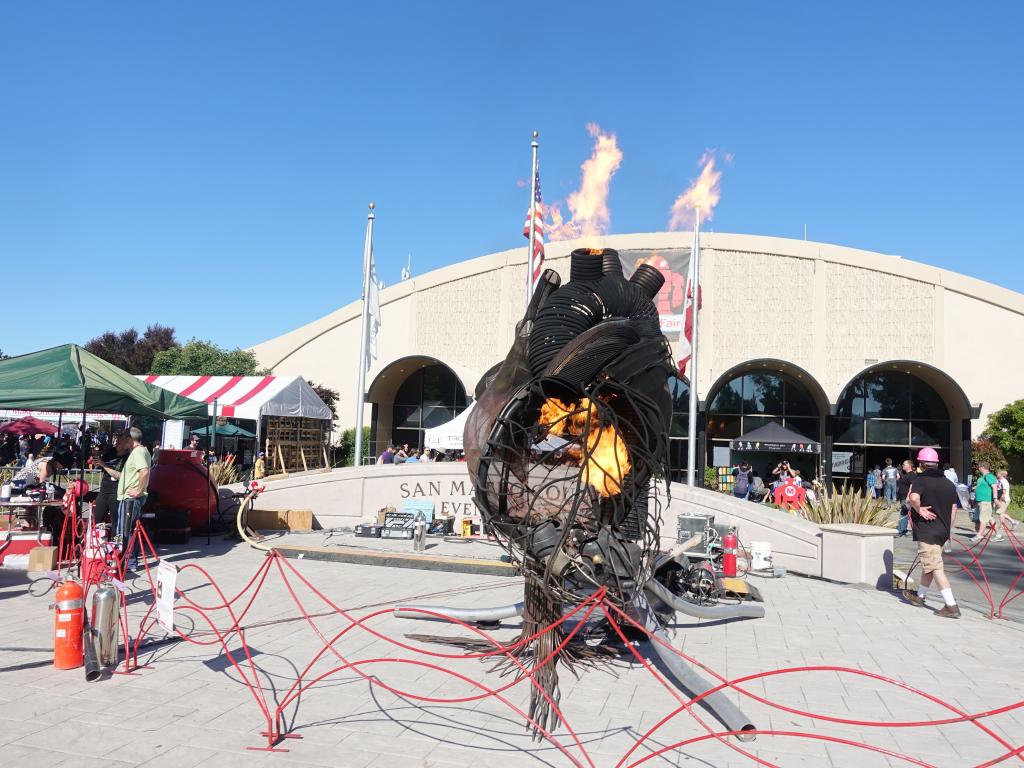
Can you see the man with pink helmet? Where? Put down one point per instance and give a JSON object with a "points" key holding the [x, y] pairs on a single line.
{"points": [[932, 500]]}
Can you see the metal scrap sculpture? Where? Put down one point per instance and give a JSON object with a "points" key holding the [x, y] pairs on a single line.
{"points": [[564, 447]]}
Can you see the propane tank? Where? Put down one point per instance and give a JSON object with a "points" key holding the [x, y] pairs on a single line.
{"points": [[729, 542], [70, 618], [105, 607], [419, 534]]}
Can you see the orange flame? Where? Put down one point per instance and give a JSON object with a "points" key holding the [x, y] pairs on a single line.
{"points": [[607, 456], [588, 206], [702, 195]]}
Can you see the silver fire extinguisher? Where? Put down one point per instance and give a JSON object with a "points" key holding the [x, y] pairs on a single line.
{"points": [[106, 604], [419, 534]]}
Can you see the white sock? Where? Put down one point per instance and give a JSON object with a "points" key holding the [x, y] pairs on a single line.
{"points": [[947, 596], [922, 592]]}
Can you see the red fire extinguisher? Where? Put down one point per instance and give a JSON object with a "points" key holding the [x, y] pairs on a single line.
{"points": [[729, 553], [67, 636]]}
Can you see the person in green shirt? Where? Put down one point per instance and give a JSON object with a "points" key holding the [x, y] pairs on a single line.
{"points": [[131, 495], [984, 495]]}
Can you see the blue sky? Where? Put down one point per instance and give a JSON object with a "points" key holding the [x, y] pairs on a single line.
{"points": [[213, 161]]}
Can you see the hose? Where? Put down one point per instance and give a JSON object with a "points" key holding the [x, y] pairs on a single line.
{"points": [[243, 510], [717, 703], [739, 611], [467, 615]]}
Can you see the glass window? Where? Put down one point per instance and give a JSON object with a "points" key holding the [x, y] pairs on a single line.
{"points": [[887, 395], [427, 398], [798, 401], [849, 431], [892, 432], [723, 426], [806, 426], [851, 402], [762, 393], [750, 423], [930, 433], [925, 403], [729, 399]]}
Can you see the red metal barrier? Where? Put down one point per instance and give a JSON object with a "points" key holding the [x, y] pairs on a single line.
{"points": [[571, 746]]}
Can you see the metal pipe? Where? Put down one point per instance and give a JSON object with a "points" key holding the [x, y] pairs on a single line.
{"points": [[694, 287], [533, 222], [468, 615], [717, 703], [739, 611], [364, 336]]}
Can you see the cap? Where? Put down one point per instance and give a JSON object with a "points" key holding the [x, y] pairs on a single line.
{"points": [[928, 456], [260, 455]]}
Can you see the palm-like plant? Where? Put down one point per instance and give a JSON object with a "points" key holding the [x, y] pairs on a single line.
{"points": [[848, 505]]}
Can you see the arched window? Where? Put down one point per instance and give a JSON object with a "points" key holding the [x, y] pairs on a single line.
{"points": [[678, 432], [887, 414], [752, 400], [427, 398]]}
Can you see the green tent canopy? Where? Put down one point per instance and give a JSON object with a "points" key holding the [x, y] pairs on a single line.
{"points": [[69, 378], [225, 430]]}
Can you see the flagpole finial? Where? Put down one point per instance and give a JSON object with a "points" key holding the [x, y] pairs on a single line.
{"points": [[372, 206], [535, 134]]}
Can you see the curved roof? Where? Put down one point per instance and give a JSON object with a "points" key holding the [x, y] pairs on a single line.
{"points": [[717, 241]]}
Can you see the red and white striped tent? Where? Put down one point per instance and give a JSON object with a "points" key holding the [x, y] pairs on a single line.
{"points": [[248, 397]]}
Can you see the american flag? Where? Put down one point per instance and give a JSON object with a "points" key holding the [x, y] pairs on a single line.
{"points": [[537, 259]]}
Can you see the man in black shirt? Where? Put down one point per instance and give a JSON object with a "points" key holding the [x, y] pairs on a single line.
{"points": [[932, 500], [111, 460]]}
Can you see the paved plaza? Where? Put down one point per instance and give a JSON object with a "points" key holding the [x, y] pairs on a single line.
{"points": [[189, 707]]}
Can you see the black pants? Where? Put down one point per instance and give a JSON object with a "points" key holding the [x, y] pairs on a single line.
{"points": [[105, 507]]}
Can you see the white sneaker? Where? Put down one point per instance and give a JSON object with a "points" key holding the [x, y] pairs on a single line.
{"points": [[997, 537], [975, 539]]}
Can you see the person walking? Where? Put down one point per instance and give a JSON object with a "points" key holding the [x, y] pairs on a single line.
{"points": [[932, 500], [902, 491], [1002, 504], [131, 495], [890, 481], [259, 469], [984, 495]]}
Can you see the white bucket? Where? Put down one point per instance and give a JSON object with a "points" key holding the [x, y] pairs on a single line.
{"points": [[760, 555]]}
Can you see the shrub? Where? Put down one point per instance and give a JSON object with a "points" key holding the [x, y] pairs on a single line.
{"points": [[711, 478], [986, 450], [848, 505]]}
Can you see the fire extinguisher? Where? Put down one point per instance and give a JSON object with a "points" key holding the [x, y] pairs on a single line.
{"points": [[67, 636], [729, 543]]}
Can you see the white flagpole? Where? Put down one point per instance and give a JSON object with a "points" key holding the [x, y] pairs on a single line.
{"points": [[694, 279], [533, 227], [364, 337]]}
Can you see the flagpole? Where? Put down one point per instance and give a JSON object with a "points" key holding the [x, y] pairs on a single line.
{"points": [[533, 227], [694, 279], [364, 336]]}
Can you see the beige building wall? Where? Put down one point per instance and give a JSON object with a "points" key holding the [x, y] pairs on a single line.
{"points": [[830, 310]]}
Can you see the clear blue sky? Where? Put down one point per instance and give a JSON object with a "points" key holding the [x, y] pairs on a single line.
{"points": [[211, 162]]}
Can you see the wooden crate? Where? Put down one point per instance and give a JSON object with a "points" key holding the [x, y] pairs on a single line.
{"points": [[281, 519], [295, 444]]}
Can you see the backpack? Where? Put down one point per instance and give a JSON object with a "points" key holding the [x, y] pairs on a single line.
{"points": [[742, 481]]}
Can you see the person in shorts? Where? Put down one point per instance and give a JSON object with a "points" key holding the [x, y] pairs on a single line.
{"points": [[131, 496], [932, 501], [984, 496], [1002, 504]]}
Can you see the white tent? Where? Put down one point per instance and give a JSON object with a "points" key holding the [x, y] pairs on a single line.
{"points": [[448, 435], [248, 397]]}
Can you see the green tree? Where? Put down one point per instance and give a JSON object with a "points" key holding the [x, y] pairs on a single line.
{"points": [[204, 358], [987, 451], [1006, 428], [131, 351], [346, 452], [329, 396]]}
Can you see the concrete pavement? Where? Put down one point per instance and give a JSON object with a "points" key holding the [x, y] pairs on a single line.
{"points": [[191, 708]]}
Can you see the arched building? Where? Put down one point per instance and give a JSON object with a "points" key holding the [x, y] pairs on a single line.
{"points": [[870, 355]]}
